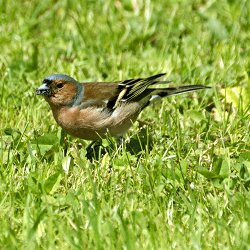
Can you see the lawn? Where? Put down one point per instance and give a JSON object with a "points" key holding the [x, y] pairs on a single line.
{"points": [[181, 180]]}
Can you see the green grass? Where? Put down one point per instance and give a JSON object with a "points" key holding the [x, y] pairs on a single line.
{"points": [[187, 187]]}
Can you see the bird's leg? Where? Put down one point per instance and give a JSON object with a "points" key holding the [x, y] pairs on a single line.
{"points": [[92, 150], [90, 145], [119, 142]]}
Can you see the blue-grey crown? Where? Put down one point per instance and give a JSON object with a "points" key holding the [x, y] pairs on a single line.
{"points": [[54, 77]]}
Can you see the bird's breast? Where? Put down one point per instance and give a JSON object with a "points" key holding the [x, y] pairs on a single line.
{"points": [[92, 123]]}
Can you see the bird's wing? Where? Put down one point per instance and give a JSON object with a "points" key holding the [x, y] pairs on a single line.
{"points": [[111, 94], [134, 90], [145, 90]]}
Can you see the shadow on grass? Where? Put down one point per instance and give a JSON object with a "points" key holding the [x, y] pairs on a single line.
{"points": [[137, 145]]}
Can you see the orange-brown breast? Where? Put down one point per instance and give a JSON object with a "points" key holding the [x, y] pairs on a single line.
{"points": [[91, 123]]}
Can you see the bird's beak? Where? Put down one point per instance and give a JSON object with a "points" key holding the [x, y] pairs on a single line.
{"points": [[43, 90]]}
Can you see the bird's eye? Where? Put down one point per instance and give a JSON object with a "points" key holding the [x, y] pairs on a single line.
{"points": [[59, 85]]}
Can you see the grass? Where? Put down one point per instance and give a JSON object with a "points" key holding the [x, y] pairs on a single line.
{"points": [[181, 182]]}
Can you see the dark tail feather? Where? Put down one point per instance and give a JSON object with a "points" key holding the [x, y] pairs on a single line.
{"points": [[179, 90]]}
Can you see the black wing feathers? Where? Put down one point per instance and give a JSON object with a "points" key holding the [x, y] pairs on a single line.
{"points": [[134, 90]]}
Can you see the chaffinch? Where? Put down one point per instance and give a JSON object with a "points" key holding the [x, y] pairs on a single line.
{"points": [[91, 110]]}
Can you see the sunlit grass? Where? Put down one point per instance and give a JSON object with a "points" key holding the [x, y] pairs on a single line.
{"points": [[179, 182]]}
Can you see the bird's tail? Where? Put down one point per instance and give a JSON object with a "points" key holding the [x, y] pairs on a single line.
{"points": [[144, 90], [178, 90], [158, 93]]}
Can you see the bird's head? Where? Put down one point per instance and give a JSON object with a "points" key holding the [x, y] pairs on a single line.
{"points": [[59, 90]]}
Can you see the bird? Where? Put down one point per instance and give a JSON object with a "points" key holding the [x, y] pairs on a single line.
{"points": [[94, 110]]}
